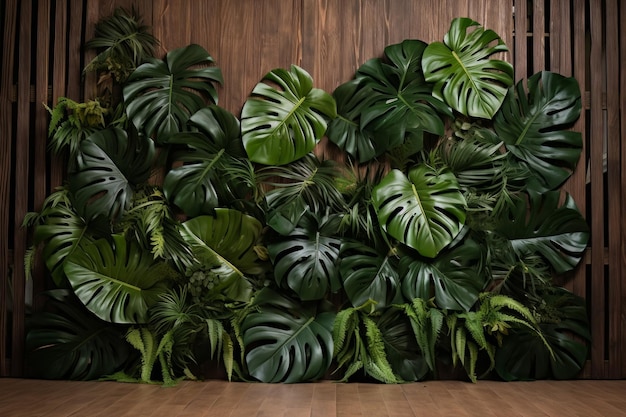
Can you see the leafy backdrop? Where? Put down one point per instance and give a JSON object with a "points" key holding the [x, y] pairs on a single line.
{"points": [[186, 237]]}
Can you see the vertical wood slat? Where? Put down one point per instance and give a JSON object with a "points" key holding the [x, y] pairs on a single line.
{"points": [[598, 317], [579, 72], [539, 33], [615, 213], [59, 80], [21, 184], [6, 121], [622, 115], [41, 122], [521, 48]]}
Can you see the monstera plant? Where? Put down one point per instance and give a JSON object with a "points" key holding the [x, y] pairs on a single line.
{"points": [[434, 241]]}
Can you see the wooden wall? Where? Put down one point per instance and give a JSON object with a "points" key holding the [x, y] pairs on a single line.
{"points": [[330, 39]]}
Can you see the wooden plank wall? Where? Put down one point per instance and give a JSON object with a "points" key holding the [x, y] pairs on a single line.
{"points": [[330, 39]]}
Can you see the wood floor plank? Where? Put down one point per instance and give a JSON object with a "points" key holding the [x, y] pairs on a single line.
{"points": [[34, 398]]}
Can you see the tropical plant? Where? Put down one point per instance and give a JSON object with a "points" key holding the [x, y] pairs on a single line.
{"points": [[436, 240]]}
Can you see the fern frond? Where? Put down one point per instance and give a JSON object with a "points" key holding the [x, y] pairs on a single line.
{"points": [[143, 340], [215, 330], [499, 301], [473, 359], [228, 355], [29, 261], [344, 325], [354, 367]]}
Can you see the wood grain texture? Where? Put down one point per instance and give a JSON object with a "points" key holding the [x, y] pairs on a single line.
{"points": [[6, 133], [327, 399]]}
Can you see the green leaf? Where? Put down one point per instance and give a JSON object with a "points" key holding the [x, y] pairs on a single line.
{"points": [[456, 277], [425, 210], [307, 260], [401, 100], [201, 183], [68, 342], [402, 351], [231, 235], [281, 126], [345, 130], [110, 165], [524, 355], [542, 227], [287, 341], [123, 43], [367, 275], [160, 96], [117, 280], [61, 230], [533, 125], [464, 76]]}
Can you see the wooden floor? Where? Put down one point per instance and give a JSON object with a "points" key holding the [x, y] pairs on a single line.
{"points": [[30, 398]]}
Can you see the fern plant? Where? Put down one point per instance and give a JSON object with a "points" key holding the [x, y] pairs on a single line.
{"points": [[485, 328], [359, 345]]}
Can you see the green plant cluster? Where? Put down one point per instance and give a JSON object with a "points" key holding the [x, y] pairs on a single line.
{"points": [[188, 237]]}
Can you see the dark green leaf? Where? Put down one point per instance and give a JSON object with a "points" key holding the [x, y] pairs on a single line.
{"points": [[367, 275], [287, 341], [307, 260], [533, 125], [160, 96], [464, 76], [110, 165], [281, 126], [68, 342], [455, 277], [117, 280], [558, 233], [425, 210]]}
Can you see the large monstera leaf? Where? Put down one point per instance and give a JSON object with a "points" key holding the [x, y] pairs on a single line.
{"points": [[558, 233], [345, 130], [286, 340], [110, 164], [401, 100], [226, 244], [117, 280], [61, 231], [282, 125], [200, 184], [532, 126], [368, 275], [455, 277], [464, 75], [307, 259], [403, 352], [565, 329], [161, 95], [69, 342], [425, 210]]}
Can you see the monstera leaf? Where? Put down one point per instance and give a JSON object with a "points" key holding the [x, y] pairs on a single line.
{"points": [[425, 210], [286, 340], [199, 184], [281, 126], [68, 342], [109, 167], [464, 76], [225, 244], [402, 350], [367, 275], [565, 327], [456, 277], [117, 281], [401, 100], [557, 233], [160, 96], [61, 231], [533, 125], [307, 259], [345, 130]]}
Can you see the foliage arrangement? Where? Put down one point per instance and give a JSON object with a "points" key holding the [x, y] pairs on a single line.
{"points": [[434, 246]]}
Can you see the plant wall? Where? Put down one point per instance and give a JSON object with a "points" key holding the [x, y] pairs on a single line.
{"points": [[188, 238]]}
